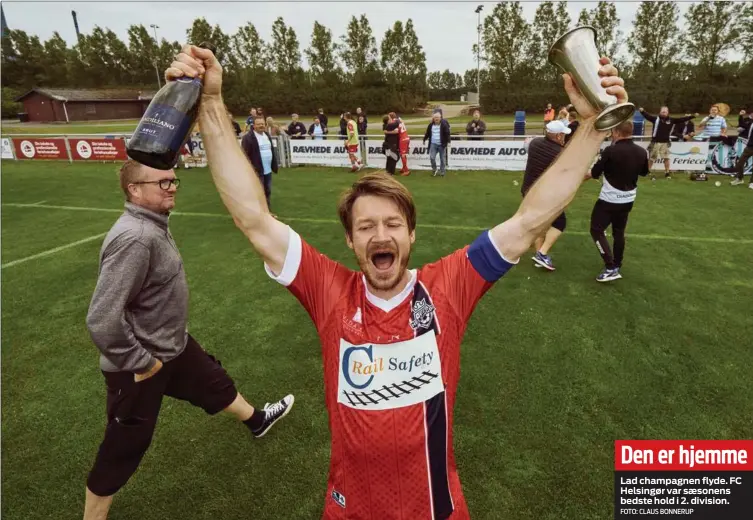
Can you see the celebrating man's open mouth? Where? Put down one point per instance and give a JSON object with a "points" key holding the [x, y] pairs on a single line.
{"points": [[382, 259]]}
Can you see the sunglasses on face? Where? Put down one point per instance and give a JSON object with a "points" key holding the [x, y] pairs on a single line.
{"points": [[163, 183]]}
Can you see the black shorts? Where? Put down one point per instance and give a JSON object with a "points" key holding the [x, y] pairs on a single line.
{"points": [[133, 408]]}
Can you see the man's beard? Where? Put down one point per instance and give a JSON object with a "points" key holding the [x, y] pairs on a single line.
{"points": [[367, 267]]}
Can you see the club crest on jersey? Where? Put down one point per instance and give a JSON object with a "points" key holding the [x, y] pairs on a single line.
{"points": [[421, 315], [339, 498]]}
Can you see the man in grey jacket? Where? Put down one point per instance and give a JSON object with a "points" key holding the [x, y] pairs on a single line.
{"points": [[138, 319]]}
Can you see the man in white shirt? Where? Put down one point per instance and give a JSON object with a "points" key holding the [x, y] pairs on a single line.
{"points": [[259, 150]]}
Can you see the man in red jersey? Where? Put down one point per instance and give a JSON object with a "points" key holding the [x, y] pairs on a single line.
{"points": [[390, 335], [404, 145]]}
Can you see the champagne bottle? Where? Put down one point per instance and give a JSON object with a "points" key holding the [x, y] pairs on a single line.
{"points": [[166, 125]]}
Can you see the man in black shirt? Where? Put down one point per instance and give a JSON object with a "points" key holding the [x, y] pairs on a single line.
{"points": [[296, 129], [683, 132], [659, 147], [621, 164], [542, 153], [745, 130], [573, 125], [391, 141]]}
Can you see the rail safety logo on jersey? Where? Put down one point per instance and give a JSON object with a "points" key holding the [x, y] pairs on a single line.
{"points": [[383, 377]]}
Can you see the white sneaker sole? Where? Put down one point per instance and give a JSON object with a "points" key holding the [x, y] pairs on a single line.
{"points": [[610, 279], [287, 410], [539, 263]]}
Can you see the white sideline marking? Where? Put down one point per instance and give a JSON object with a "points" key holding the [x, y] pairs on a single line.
{"points": [[54, 250], [717, 240], [38, 203]]}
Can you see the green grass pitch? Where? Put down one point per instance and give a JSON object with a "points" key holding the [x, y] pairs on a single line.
{"points": [[555, 366]]}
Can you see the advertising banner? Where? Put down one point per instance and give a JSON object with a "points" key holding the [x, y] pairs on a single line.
{"points": [[98, 149], [464, 155], [7, 149], [33, 148], [325, 153]]}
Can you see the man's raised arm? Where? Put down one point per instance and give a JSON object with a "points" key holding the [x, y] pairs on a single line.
{"points": [[557, 187], [233, 175]]}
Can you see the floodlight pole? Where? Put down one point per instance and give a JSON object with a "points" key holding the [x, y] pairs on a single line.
{"points": [[478, 54], [156, 43]]}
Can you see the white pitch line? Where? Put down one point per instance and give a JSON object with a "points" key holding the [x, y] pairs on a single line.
{"points": [[53, 251], [38, 203], [717, 240]]}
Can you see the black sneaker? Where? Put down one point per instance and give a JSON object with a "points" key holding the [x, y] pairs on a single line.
{"points": [[273, 413]]}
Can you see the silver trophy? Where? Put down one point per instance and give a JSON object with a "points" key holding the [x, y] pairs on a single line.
{"points": [[575, 52]]}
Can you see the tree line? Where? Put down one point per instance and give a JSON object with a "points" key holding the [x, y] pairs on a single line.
{"points": [[687, 69]]}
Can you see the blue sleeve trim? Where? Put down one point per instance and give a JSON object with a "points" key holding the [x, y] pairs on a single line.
{"points": [[486, 259]]}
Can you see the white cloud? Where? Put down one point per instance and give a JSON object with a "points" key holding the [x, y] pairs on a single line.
{"points": [[446, 30]]}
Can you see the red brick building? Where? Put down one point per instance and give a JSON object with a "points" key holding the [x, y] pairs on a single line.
{"points": [[65, 105]]}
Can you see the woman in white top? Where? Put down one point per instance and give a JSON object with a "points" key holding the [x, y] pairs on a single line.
{"points": [[316, 131]]}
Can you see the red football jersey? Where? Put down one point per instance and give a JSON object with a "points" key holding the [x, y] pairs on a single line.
{"points": [[391, 370], [403, 132]]}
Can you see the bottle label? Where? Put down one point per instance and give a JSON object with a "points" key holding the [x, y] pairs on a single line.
{"points": [[165, 125]]}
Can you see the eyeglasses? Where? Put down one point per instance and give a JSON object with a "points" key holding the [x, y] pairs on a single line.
{"points": [[163, 183]]}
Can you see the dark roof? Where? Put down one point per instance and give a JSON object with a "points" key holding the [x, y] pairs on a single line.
{"points": [[74, 94]]}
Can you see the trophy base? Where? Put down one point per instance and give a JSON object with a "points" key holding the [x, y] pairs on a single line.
{"points": [[613, 115]]}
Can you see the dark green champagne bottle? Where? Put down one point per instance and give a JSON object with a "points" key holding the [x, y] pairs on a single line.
{"points": [[167, 123]]}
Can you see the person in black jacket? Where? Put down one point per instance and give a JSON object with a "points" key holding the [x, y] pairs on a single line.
{"points": [[296, 129], [324, 121], [659, 147], [745, 130], [475, 127], [621, 164], [391, 129], [261, 153], [438, 135]]}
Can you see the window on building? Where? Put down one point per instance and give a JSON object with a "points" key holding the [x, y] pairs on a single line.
{"points": [[91, 108]]}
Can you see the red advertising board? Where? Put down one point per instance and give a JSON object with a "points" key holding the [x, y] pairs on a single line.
{"points": [[33, 148], [98, 149]]}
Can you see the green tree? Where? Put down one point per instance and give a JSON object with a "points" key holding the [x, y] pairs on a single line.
{"points": [[653, 41], [434, 80], [248, 49], [143, 55], [285, 52], [506, 38], [321, 54], [403, 58], [604, 19], [712, 31], [548, 25], [358, 48], [199, 32]]}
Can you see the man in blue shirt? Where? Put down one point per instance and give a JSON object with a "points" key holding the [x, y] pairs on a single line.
{"points": [[438, 135], [259, 150]]}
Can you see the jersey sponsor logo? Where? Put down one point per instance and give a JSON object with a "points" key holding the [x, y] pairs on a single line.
{"points": [[383, 377], [421, 315], [339, 498]]}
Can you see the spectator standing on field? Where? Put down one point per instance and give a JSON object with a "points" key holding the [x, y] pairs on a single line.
{"points": [[476, 127], [261, 154], [714, 125], [296, 129], [391, 129], [250, 120], [745, 131], [683, 132], [659, 146], [316, 130], [548, 114], [138, 319], [573, 125], [360, 113], [542, 152], [323, 121], [438, 135], [272, 127]]}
